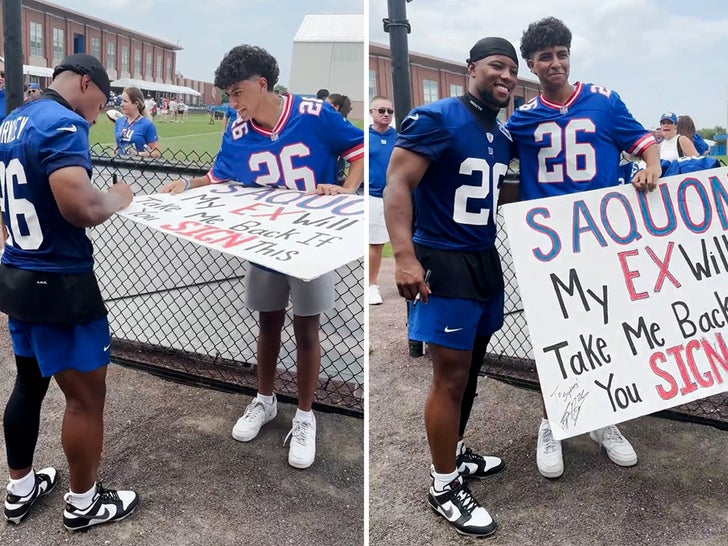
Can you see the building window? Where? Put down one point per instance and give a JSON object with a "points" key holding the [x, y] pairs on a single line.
{"points": [[429, 91], [168, 70], [36, 39], [59, 42], [456, 90], [372, 84], [137, 61], [158, 66], [125, 58], [518, 102], [111, 56], [148, 71], [96, 47]]}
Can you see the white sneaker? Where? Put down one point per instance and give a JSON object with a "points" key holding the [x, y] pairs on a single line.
{"points": [[549, 458], [302, 451], [256, 415], [375, 298], [619, 450]]}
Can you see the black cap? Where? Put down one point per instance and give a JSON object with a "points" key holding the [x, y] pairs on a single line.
{"points": [[485, 47], [83, 64]]}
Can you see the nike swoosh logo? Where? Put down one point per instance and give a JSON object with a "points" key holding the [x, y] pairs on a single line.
{"points": [[449, 330], [106, 347], [447, 512], [101, 517], [414, 117], [69, 128]]}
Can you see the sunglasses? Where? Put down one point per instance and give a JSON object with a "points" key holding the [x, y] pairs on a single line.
{"points": [[2, 74], [385, 110]]}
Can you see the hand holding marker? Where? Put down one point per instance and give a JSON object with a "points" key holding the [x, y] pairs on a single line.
{"points": [[427, 279]]}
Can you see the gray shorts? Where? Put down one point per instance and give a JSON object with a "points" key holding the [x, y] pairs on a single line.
{"points": [[269, 291]]}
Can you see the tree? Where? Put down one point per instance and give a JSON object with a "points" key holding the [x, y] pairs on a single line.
{"points": [[710, 133], [280, 89]]}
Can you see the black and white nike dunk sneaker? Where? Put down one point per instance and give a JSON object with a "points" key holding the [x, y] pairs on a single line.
{"points": [[17, 507], [107, 505], [474, 466], [458, 506]]}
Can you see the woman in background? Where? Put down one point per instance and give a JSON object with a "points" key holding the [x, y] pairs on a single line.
{"points": [[686, 127], [134, 131]]}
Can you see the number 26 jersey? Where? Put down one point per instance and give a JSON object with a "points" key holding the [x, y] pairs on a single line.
{"points": [[299, 153], [455, 202]]}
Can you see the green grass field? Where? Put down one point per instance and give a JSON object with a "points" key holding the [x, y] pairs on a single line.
{"points": [[195, 134]]}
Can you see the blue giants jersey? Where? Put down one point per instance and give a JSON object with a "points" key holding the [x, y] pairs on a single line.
{"points": [[575, 146], [35, 140], [455, 202], [299, 153], [141, 131]]}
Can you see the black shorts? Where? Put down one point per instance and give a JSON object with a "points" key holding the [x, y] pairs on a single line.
{"points": [[466, 275]]}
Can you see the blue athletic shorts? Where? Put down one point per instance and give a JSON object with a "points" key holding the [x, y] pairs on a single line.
{"points": [[454, 323], [83, 347]]}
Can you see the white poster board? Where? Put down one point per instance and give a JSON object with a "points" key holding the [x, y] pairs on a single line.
{"points": [[626, 297], [300, 234]]}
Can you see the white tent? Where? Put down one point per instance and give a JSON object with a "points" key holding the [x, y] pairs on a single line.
{"points": [[32, 70], [155, 86], [328, 52]]}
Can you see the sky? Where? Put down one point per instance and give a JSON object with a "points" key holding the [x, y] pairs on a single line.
{"points": [[207, 29], [658, 55]]}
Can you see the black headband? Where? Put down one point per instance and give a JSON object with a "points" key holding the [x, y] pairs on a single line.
{"points": [[486, 47]]}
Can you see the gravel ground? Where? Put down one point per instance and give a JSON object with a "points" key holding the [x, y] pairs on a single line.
{"points": [[198, 486], [675, 495]]}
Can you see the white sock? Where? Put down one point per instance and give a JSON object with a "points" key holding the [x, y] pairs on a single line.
{"points": [[23, 486], [443, 480], [266, 398], [460, 449], [82, 500], [304, 415]]}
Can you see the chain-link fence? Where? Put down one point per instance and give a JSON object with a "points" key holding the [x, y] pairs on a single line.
{"points": [[510, 356], [176, 310]]}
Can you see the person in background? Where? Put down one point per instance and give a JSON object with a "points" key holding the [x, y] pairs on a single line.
{"points": [[33, 91], [150, 106], [452, 156], [2, 95], [135, 132], [686, 127], [381, 143], [604, 128], [321, 94], [267, 125], [56, 316], [341, 103], [673, 145], [228, 117]]}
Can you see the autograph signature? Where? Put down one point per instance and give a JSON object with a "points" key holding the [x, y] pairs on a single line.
{"points": [[574, 398]]}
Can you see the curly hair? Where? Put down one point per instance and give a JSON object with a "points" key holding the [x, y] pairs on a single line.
{"points": [[244, 62], [548, 32]]}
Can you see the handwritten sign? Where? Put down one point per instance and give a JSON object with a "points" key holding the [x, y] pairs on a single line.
{"points": [[299, 234], [626, 297]]}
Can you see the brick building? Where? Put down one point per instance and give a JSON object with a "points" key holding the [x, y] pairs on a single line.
{"points": [[50, 33], [432, 78]]}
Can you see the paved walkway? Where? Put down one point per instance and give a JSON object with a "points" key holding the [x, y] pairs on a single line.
{"points": [[199, 487]]}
